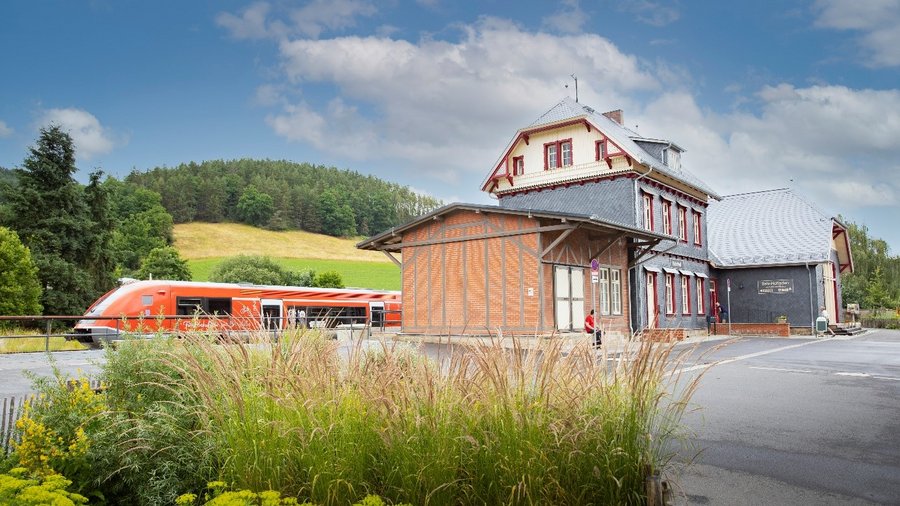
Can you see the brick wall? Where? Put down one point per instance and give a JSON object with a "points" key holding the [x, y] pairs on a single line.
{"points": [[753, 329]]}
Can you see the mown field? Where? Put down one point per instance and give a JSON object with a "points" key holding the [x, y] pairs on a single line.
{"points": [[205, 245]]}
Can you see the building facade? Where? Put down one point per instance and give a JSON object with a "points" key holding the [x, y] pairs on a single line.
{"points": [[592, 215]]}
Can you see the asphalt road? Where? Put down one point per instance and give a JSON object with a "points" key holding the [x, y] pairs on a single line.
{"points": [[797, 421], [777, 421], [16, 368]]}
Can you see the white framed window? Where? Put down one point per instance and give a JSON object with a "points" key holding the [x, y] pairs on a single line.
{"points": [[615, 290], [685, 296], [670, 293], [518, 165], [701, 308], [604, 291], [558, 154], [682, 224], [552, 156], [566, 148], [697, 225], [648, 211], [667, 217]]}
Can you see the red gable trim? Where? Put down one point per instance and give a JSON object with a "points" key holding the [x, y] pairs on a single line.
{"points": [[524, 135]]}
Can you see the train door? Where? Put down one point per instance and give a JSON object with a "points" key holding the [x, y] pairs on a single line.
{"points": [[376, 314], [271, 313]]}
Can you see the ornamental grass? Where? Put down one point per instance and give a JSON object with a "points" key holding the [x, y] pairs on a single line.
{"points": [[486, 423]]}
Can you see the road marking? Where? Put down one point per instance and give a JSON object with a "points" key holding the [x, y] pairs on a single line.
{"points": [[779, 369], [745, 357], [865, 375]]}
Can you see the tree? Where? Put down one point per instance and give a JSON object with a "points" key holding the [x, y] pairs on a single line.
{"points": [[164, 263], [253, 269], [337, 217], [329, 279], [877, 296], [20, 290], [55, 218], [254, 207]]}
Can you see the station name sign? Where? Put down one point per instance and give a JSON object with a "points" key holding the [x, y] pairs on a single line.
{"points": [[775, 286]]}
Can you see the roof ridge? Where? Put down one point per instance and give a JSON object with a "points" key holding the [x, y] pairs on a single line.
{"points": [[757, 192]]}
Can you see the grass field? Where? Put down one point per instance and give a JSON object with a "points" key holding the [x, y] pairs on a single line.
{"points": [[205, 245], [375, 275], [23, 344]]}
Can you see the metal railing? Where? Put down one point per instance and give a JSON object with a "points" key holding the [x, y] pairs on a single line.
{"points": [[225, 324]]}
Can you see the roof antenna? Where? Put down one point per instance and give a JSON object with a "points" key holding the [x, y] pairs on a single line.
{"points": [[576, 87]]}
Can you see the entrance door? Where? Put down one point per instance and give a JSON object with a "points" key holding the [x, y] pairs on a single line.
{"points": [[271, 314], [830, 292], [652, 301], [569, 288]]}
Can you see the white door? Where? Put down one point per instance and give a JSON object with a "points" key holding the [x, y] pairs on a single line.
{"points": [[830, 291], [270, 313], [577, 301], [651, 300], [563, 306], [569, 286]]}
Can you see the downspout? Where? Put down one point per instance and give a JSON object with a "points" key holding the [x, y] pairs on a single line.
{"points": [[632, 273], [812, 305]]}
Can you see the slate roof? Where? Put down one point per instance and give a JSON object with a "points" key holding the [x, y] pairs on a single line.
{"points": [[568, 109], [773, 227]]}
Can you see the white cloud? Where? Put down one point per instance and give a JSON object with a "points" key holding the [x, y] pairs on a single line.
{"points": [[258, 21], [251, 24], [569, 19], [90, 137], [319, 15], [836, 144], [5, 131], [446, 107], [877, 20], [655, 13]]}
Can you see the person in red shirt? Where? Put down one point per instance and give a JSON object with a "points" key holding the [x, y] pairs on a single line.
{"points": [[591, 328]]}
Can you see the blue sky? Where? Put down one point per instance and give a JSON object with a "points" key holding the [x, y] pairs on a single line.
{"points": [[427, 93]]}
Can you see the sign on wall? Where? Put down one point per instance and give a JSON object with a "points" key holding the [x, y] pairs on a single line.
{"points": [[775, 286]]}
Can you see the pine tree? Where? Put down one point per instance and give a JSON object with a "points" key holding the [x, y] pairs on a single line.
{"points": [[55, 218]]}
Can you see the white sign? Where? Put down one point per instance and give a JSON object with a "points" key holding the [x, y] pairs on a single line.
{"points": [[595, 278]]}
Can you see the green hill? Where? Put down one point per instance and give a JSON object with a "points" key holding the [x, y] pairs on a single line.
{"points": [[205, 245]]}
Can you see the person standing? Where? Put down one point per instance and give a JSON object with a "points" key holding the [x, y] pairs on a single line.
{"points": [[591, 329]]}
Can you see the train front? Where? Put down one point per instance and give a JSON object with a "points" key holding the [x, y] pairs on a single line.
{"points": [[113, 313]]}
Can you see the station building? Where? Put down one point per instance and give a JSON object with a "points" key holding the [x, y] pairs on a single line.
{"points": [[591, 215]]}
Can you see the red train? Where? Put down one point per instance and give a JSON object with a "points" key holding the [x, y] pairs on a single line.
{"points": [[171, 306]]}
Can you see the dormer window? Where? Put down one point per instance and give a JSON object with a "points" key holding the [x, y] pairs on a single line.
{"points": [[672, 158], [558, 154]]}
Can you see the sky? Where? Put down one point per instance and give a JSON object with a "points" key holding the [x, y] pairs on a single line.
{"points": [[427, 93]]}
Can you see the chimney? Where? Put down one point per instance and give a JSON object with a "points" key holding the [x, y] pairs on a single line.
{"points": [[615, 116]]}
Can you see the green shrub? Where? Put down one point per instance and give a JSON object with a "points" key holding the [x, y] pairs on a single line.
{"points": [[153, 444]]}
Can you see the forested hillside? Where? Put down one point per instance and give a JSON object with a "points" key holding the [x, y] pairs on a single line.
{"points": [[283, 195]]}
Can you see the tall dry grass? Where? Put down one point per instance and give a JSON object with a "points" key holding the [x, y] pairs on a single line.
{"points": [[487, 424]]}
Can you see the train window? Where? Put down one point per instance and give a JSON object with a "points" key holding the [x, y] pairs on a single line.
{"points": [[220, 306], [187, 306], [147, 300]]}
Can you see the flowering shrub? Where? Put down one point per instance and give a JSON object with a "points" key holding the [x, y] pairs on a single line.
{"points": [[218, 495], [53, 430], [17, 487]]}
